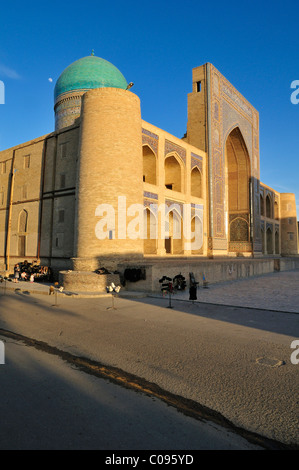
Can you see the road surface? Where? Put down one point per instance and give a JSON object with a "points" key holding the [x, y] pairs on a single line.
{"points": [[234, 363]]}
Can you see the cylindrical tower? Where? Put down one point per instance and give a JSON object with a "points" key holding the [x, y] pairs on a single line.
{"points": [[109, 168], [82, 75]]}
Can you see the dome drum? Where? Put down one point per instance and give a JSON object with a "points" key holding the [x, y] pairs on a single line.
{"points": [[85, 74]]}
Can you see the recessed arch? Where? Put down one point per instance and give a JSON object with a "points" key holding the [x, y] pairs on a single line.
{"points": [[149, 165], [23, 221], [263, 240], [197, 240], [150, 232], [269, 240], [262, 207], [196, 182], [238, 188], [22, 232], [268, 206], [173, 173], [173, 232]]}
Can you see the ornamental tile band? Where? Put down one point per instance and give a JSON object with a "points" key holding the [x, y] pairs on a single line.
{"points": [[149, 195], [171, 147]]}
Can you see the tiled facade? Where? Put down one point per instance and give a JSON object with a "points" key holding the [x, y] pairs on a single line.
{"points": [[50, 187]]}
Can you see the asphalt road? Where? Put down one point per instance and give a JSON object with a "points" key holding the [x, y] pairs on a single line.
{"points": [[233, 362], [46, 404]]}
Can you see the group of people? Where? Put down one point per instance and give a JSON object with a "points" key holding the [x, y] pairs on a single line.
{"points": [[31, 272], [21, 275]]}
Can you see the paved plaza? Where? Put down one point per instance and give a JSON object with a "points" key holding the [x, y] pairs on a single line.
{"points": [[276, 291], [234, 361]]}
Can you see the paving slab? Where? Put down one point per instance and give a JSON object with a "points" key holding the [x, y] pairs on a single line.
{"points": [[276, 291]]}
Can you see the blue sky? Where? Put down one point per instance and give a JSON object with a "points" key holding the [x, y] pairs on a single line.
{"points": [[254, 44]]}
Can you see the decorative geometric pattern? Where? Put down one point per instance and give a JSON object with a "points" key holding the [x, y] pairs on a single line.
{"points": [[67, 110], [149, 203], [234, 97], [150, 199], [239, 230], [229, 109], [169, 202], [241, 214], [196, 160], [149, 195], [171, 147], [240, 247], [151, 139]]}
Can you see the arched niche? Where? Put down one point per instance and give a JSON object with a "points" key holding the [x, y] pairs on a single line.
{"points": [[196, 182], [173, 173], [174, 233], [238, 188], [150, 232], [149, 165], [22, 232], [269, 241], [268, 207]]}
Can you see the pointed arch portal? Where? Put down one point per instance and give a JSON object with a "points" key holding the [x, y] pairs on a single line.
{"points": [[238, 192]]}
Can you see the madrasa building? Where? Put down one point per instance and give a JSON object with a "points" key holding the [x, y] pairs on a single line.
{"points": [[107, 192]]}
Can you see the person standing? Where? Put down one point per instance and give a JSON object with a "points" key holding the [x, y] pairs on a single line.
{"points": [[16, 273]]}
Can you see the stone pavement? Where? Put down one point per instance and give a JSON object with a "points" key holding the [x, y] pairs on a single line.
{"points": [[276, 291], [233, 361]]}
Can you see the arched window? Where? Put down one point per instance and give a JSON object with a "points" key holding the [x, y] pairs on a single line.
{"points": [[149, 165], [22, 233], [23, 220], [269, 241], [262, 205], [173, 174], [268, 207], [196, 182]]}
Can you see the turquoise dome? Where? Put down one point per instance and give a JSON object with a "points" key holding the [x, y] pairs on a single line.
{"points": [[88, 73]]}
